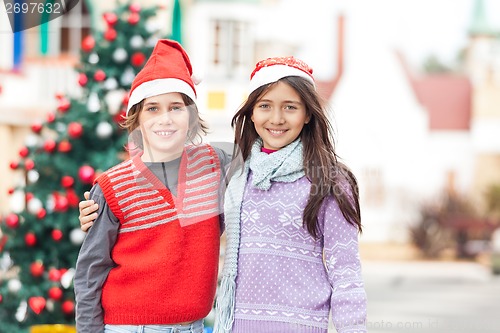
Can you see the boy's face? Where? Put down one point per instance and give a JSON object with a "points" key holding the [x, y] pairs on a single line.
{"points": [[164, 123], [279, 116]]}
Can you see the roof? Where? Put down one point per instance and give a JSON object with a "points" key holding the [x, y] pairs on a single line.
{"points": [[327, 88], [446, 97], [448, 100]]}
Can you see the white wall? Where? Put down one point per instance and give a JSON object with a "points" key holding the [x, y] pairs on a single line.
{"points": [[381, 126]]}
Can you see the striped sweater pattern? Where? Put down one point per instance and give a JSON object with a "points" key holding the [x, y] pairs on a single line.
{"points": [[167, 249]]}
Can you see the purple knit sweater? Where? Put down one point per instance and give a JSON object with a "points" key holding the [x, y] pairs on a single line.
{"points": [[282, 283]]}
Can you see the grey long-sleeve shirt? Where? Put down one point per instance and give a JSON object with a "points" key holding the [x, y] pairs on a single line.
{"points": [[94, 260]]}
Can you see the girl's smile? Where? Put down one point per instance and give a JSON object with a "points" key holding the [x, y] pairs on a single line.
{"points": [[276, 133], [279, 116]]}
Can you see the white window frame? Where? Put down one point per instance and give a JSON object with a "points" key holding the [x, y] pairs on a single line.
{"points": [[230, 51]]}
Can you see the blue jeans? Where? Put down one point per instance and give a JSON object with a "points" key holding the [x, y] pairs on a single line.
{"points": [[195, 327]]}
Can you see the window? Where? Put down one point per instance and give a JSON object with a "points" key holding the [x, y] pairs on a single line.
{"points": [[231, 52], [75, 25]]}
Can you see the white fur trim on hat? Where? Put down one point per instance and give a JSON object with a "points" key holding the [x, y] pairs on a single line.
{"points": [[273, 73], [159, 87]]}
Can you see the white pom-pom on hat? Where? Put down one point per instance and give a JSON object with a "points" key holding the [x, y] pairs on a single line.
{"points": [[197, 78]]}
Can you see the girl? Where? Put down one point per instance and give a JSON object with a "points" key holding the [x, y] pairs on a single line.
{"points": [[150, 262], [292, 215]]}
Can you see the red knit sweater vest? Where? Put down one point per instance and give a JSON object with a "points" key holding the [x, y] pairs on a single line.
{"points": [[167, 249]]}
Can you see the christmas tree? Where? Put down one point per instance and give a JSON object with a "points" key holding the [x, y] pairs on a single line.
{"points": [[61, 159]]}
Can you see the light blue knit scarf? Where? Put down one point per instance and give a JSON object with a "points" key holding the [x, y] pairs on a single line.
{"points": [[284, 165]]}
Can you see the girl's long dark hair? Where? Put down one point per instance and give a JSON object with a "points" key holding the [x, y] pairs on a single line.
{"points": [[327, 174]]}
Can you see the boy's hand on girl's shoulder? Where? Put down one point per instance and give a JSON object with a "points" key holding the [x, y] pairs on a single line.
{"points": [[88, 213]]}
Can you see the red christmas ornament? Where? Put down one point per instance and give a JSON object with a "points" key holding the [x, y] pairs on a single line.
{"points": [[110, 18], [73, 199], [63, 105], [37, 304], [86, 174], [133, 18], [29, 196], [29, 164], [61, 203], [75, 130], [23, 152], [64, 146], [57, 235], [126, 98], [110, 34], [37, 269], [30, 239], [82, 79], [49, 146], [55, 293], [36, 128], [1, 298], [99, 75], [68, 307], [12, 221], [67, 181], [41, 214], [138, 59], [10, 190], [3, 240], [120, 116], [135, 8], [51, 117], [55, 274], [14, 165], [88, 43]]}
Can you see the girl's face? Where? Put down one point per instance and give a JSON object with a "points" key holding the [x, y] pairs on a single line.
{"points": [[164, 123], [279, 116]]}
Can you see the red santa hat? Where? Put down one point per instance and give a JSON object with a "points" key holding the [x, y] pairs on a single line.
{"points": [[167, 70], [273, 69]]}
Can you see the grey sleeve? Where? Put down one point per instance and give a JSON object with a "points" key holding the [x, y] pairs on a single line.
{"points": [[225, 158], [93, 265], [225, 154]]}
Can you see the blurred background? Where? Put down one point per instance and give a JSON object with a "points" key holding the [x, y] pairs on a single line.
{"points": [[414, 93]]}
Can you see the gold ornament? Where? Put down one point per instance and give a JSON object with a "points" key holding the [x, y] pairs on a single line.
{"points": [[53, 329]]}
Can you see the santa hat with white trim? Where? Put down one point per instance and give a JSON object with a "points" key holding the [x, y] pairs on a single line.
{"points": [[167, 70], [273, 69]]}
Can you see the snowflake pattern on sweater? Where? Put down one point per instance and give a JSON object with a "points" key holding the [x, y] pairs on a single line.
{"points": [[287, 281]]}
